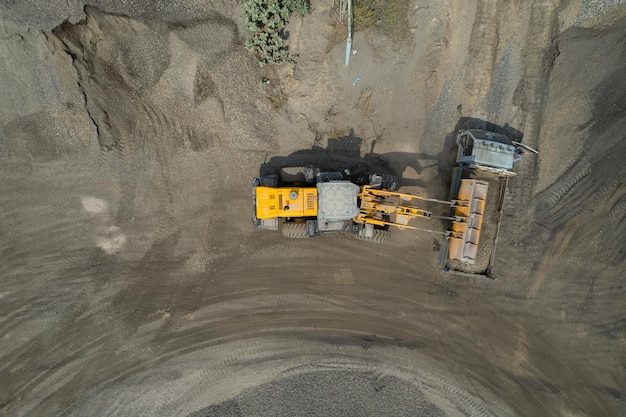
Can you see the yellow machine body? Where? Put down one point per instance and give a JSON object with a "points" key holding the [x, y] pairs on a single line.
{"points": [[466, 230], [272, 202], [389, 208]]}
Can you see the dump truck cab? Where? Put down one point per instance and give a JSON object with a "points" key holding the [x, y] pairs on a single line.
{"points": [[481, 148]]}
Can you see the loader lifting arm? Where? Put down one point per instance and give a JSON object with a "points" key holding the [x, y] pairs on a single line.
{"points": [[389, 208]]}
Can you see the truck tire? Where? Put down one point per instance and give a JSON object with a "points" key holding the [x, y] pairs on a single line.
{"points": [[294, 230], [380, 236], [388, 182], [391, 182]]}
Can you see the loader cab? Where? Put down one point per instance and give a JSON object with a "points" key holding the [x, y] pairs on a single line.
{"points": [[481, 148]]}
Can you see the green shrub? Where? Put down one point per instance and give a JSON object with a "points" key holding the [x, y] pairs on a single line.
{"points": [[299, 7], [267, 19]]}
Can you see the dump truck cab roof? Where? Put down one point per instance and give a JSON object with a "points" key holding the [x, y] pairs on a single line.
{"points": [[483, 148]]}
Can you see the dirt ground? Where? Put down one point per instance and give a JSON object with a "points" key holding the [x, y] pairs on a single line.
{"points": [[132, 281]]}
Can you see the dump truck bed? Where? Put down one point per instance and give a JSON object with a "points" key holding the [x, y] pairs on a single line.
{"points": [[490, 224]]}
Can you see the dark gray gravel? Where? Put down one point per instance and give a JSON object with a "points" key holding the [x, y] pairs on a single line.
{"points": [[328, 392], [591, 9]]}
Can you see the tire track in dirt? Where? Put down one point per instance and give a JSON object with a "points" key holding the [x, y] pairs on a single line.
{"points": [[249, 325], [39, 225], [43, 356], [482, 56], [581, 208], [149, 139], [582, 319], [547, 266], [38, 376], [618, 210], [217, 369], [529, 102], [212, 327], [52, 235], [538, 58], [609, 208], [558, 253], [580, 271], [17, 313], [574, 205], [252, 356], [566, 186], [189, 272]]}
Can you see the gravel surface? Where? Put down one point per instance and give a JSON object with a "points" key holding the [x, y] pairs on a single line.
{"points": [[593, 9], [338, 392], [132, 282]]}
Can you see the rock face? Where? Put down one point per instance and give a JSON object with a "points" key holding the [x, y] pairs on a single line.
{"points": [[132, 282]]}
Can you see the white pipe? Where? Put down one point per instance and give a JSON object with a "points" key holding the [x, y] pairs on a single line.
{"points": [[349, 40]]}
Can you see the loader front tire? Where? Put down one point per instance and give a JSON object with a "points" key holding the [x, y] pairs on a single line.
{"points": [[294, 230], [380, 236], [391, 182]]}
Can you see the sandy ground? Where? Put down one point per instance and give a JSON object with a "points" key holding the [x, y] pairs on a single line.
{"points": [[133, 283]]}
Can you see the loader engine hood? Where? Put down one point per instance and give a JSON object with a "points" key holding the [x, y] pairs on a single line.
{"points": [[337, 200], [272, 202]]}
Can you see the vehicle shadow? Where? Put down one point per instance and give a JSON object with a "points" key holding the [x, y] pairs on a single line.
{"points": [[467, 122], [344, 153]]}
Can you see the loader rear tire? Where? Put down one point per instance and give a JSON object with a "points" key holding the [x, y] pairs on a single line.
{"points": [[294, 230], [291, 175], [380, 236]]}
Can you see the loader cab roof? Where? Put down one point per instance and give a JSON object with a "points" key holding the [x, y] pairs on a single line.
{"points": [[337, 200]]}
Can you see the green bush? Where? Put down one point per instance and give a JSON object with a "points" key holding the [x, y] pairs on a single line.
{"points": [[299, 7], [267, 19]]}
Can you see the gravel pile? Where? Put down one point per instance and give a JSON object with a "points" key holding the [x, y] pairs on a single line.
{"points": [[591, 9], [328, 392]]}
